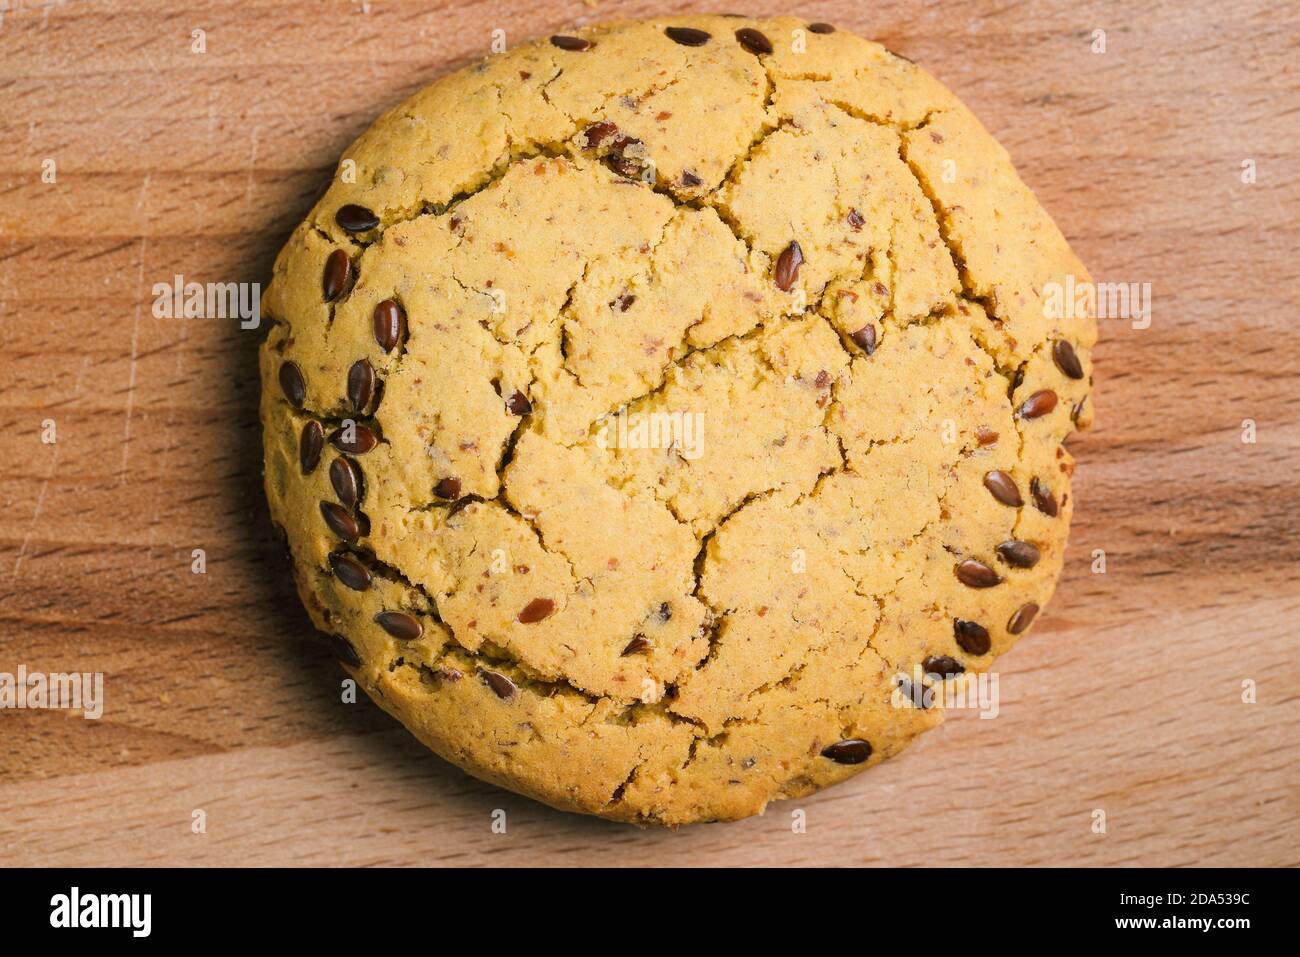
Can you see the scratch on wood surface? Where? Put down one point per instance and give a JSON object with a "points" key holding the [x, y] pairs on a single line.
{"points": [[135, 332], [45, 483]]}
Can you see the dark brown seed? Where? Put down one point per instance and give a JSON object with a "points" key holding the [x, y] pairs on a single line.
{"points": [[340, 522], [338, 270], [293, 384], [986, 436], [350, 572], [361, 384], [310, 446], [690, 179], [572, 44], [848, 751], [943, 666], [1020, 554], [1043, 498], [356, 219], [626, 166], [623, 303], [1023, 617], [345, 476], [915, 693], [821, 28], [401, 626], [1040, 403], [665, 612], [688, 36], [344, 651], [787, 266], [501, 686], [865, 339], [536, 610], [518, 404], [598, 133], [390, 325], [972, 637], [636, 646], [362, 439], [976, 574], [1003, 487], [856, 222], [1067, 360], [754, 41], [448, 488]]}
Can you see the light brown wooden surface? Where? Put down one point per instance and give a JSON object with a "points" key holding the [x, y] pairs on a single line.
{"points": [[1126, 698]]}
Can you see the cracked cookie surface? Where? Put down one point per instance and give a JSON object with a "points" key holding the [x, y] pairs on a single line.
{"points": [[813, 275]]}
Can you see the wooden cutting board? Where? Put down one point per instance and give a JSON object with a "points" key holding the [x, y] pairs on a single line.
{"points": [[1127, 699]]}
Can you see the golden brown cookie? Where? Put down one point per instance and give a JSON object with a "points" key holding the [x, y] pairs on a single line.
{"points": [[649, 408]]}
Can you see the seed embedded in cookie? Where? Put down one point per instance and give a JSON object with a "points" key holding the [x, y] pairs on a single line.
{"points": [[448, 488], [572, 44], [355, 218], [1018, 553], [518, 404], [787, 266], [350, 571], [390, 324], [914, 693], [1066, 359], [344, 650], [340, 521], [401, 626], [976, 574], [501, 686], [972, 637], [354, 439], [597, 134], [1040, 403], [1043, 498], [1023, 617], [292, 384], [310, 446], [345, 476], [536, 610], [865, 339], [754, 41], [943, 666], [688, 36], [637, 645], [821, 28], [338, 272], [1003, 487], [848, 751], [361, 384]]}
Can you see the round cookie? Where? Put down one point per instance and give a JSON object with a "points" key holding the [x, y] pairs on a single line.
{"points": [[647, 408]]}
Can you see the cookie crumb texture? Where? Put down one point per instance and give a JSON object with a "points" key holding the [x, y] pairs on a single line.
{"points": [[821, 254]]}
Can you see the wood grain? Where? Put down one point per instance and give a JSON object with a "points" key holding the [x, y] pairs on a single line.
{"points": [[1127, 698]]}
